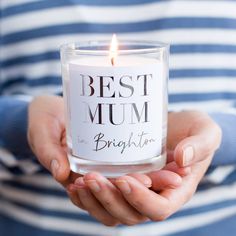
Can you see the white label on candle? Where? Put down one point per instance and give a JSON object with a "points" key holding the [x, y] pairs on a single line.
{"points": [[116, 111]]}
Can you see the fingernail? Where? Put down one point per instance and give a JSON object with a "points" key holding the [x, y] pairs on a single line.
{"points": [[93, 185], [188, 155], [54, 167], [147, 184], [123, 186], [80, 182]]}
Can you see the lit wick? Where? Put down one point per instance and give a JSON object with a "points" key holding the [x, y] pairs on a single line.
{"points": [[113, 49], [113, 61]]}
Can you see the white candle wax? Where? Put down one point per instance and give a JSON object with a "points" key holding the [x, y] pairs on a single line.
{"points": [[115, 111]]}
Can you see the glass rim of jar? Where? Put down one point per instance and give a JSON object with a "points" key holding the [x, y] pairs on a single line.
{"points": [[102, 47]]}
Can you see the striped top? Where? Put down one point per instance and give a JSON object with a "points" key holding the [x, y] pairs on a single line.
{"points": [[202, 35]]}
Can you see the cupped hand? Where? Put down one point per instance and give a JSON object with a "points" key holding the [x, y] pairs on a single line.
{"points": [[193, 137], [47, 139], [106, 200], [46, 135]]}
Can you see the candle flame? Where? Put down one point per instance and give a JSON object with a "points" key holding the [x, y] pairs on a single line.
{"points": [[113, 49]]}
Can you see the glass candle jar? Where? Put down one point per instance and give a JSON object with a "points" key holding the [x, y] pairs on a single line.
{"points": [[116, 106]]}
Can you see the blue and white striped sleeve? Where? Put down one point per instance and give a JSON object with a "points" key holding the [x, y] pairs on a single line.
{"points": [[226, 154], [16, 157]]}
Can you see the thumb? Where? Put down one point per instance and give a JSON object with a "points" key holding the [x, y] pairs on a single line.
{"points": [[54, 158], [51, 155], [44, 135], [204, 139]]}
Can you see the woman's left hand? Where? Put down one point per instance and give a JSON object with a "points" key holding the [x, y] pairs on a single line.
{"points": [[192, 140]]}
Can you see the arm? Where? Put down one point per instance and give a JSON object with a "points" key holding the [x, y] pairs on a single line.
{"points": [[15, 152], [226, 154], [13, 120]]}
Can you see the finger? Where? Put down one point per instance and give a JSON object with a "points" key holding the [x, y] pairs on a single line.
{"points": [[178, 197], [204, 139], [164, 179], [51, 155], [111, 199], [192, 150], [72, 193], [92, 205], [147, 202], [181, 171], [172, 166], [142, 178], [71, 179]]}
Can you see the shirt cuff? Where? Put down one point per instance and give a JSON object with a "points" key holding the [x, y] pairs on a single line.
{"points": [[226, 154]]}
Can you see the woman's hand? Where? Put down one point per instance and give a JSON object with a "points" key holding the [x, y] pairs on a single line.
{"points": [[192, 140], [47, 139], [46, 135]]}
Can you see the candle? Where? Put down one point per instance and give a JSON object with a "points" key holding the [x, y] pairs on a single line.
{"points": [[116, 107]]}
